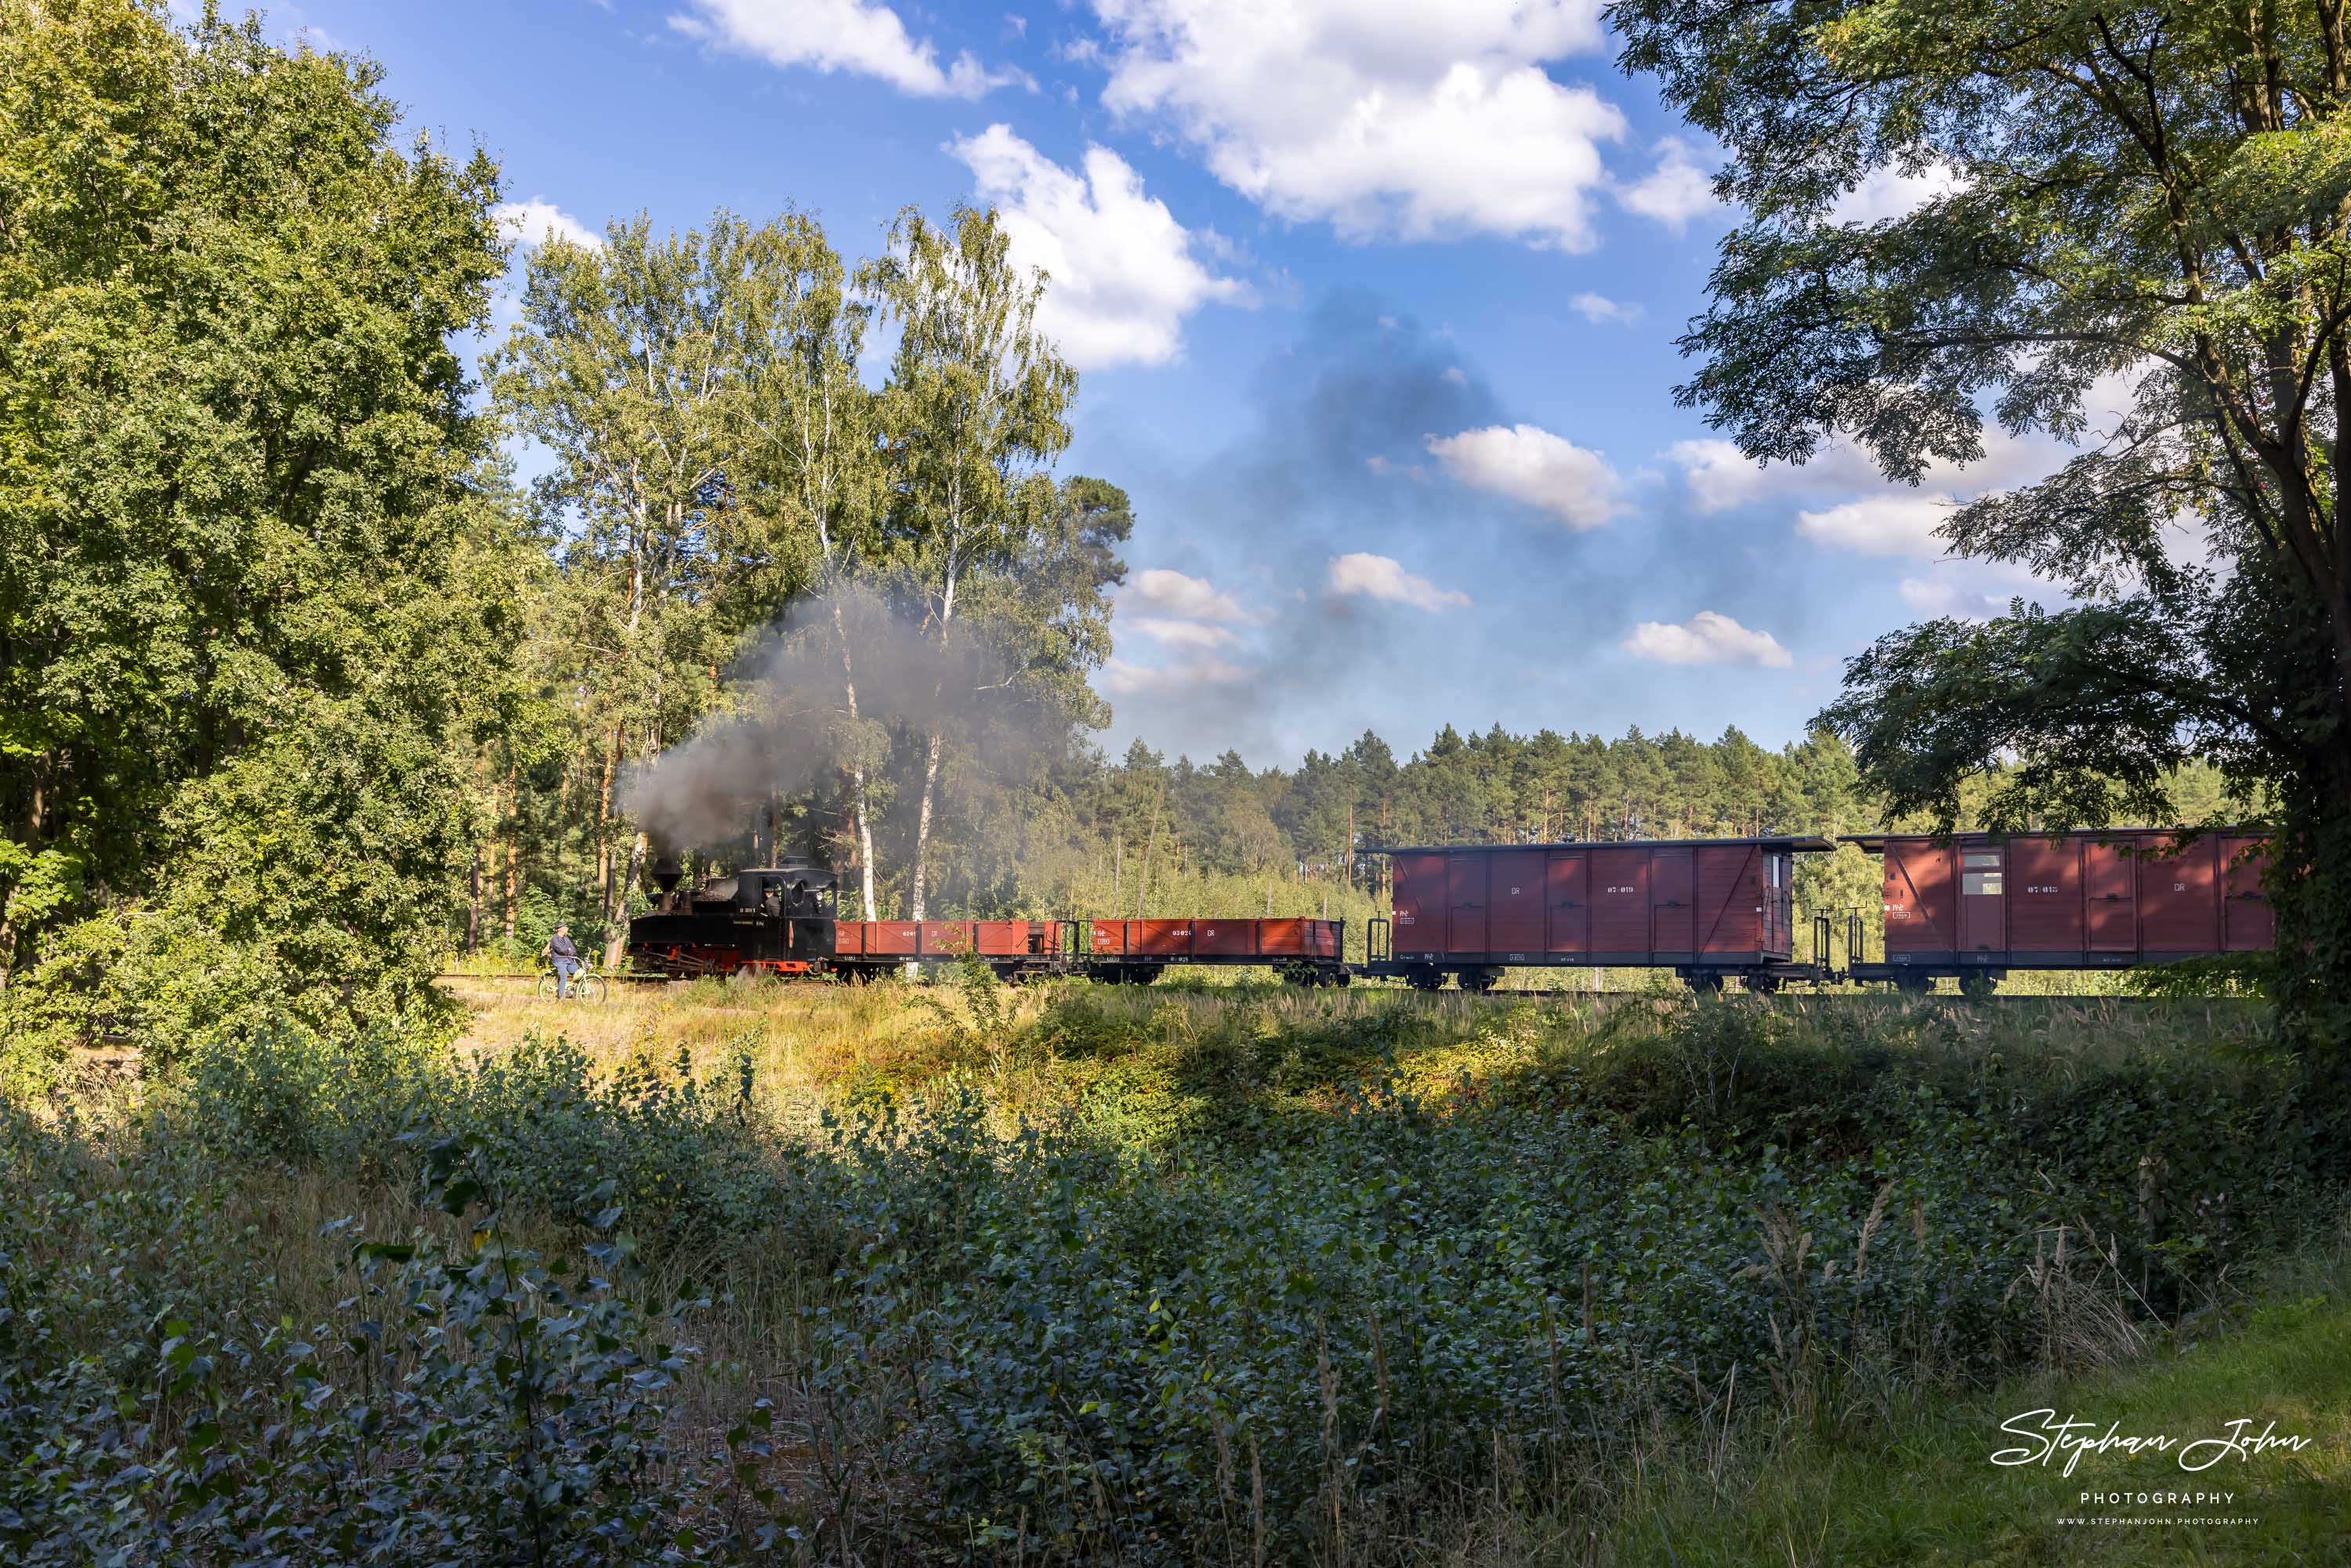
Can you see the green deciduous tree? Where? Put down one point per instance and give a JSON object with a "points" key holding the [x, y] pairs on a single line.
{"points": [[628, 366], [977, 408], [813, 473], [240, 616], [2153, 197]]}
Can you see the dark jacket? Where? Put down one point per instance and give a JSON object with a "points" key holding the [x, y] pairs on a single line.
{"points": [[559, 947]]}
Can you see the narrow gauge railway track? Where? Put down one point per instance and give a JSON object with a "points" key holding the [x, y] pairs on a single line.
{"points": [[1558, 994]]}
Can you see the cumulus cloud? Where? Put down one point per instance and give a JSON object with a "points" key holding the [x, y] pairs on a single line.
{"points": [[854, 35], [1888, 192], [1531, 465], [1123, 270], [1598, 309], [1720, 476], [1183, 633], [1179, 597], [1881, 525], [1673, 192], [1706, 638], [1379, 577], [1415, 121], [1125, 679], [538, 220], [1935, 596]]}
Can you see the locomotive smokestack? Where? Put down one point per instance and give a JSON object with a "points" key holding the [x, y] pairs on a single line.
{"points": [[665, 876]]}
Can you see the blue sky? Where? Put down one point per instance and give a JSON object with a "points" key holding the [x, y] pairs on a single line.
{"points": [[1374, 304]]}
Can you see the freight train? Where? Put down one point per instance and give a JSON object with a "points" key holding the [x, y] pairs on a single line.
{"points": [[1970, 906]]}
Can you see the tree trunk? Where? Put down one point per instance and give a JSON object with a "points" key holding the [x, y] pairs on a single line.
{"points": [[604, 824], [474, 901], [617, 943], [937, 740], [923, 821], [514, 850], [860, 808]]}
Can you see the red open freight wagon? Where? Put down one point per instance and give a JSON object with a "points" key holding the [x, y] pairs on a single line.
{"points": [[1705, 908]]}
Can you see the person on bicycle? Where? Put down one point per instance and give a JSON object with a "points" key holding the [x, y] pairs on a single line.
{"points": [[565, 957]]}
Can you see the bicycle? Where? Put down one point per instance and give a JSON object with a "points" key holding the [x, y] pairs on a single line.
{"points": [[587, 986]]}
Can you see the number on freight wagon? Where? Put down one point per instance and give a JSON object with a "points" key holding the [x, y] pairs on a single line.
{"points": [[1620, 890]]}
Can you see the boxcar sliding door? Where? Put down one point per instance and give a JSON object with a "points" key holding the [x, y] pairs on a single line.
{"points": [[1570, 900], [1673, 895]]}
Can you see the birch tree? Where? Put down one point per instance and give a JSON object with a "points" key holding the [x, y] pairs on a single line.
{"points": [[626, 367], [975, 410], [815, 462]]}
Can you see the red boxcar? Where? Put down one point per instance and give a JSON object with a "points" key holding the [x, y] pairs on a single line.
{"points": [[1706, 907], [1976, 904]]}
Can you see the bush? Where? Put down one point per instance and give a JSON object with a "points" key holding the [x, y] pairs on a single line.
{"points": [[466, 1403]]}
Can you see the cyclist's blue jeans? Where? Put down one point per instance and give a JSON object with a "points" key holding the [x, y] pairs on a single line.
{"points": [[564, 969]]}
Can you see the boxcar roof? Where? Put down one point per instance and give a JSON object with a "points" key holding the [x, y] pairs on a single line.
{"points": [[1875, 843], [1808, 842]]}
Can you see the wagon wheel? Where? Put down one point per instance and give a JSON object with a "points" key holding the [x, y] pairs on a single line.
{"points": [[1480, 980], [1706, 983], [1979, 987], [1425, 979]]}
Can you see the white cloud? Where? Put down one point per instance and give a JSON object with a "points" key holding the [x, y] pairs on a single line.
{"points": [[1881, 525], [1122, 273], [1886, 192], [526, 224], [1183, 633], [1599, 308], [1410, 120], [1531, 464], [1720, 476], [854, 35], [1706, 638], [1932, 596], [1182, 598], [1125, 679], [1378, 577], [1673, 192]]}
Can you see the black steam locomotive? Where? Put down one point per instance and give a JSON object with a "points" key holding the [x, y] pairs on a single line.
{"points": [[769, 920]]}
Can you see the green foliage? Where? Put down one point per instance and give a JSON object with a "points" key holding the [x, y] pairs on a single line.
{"points": [[248, 564], [465, 1402]]}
